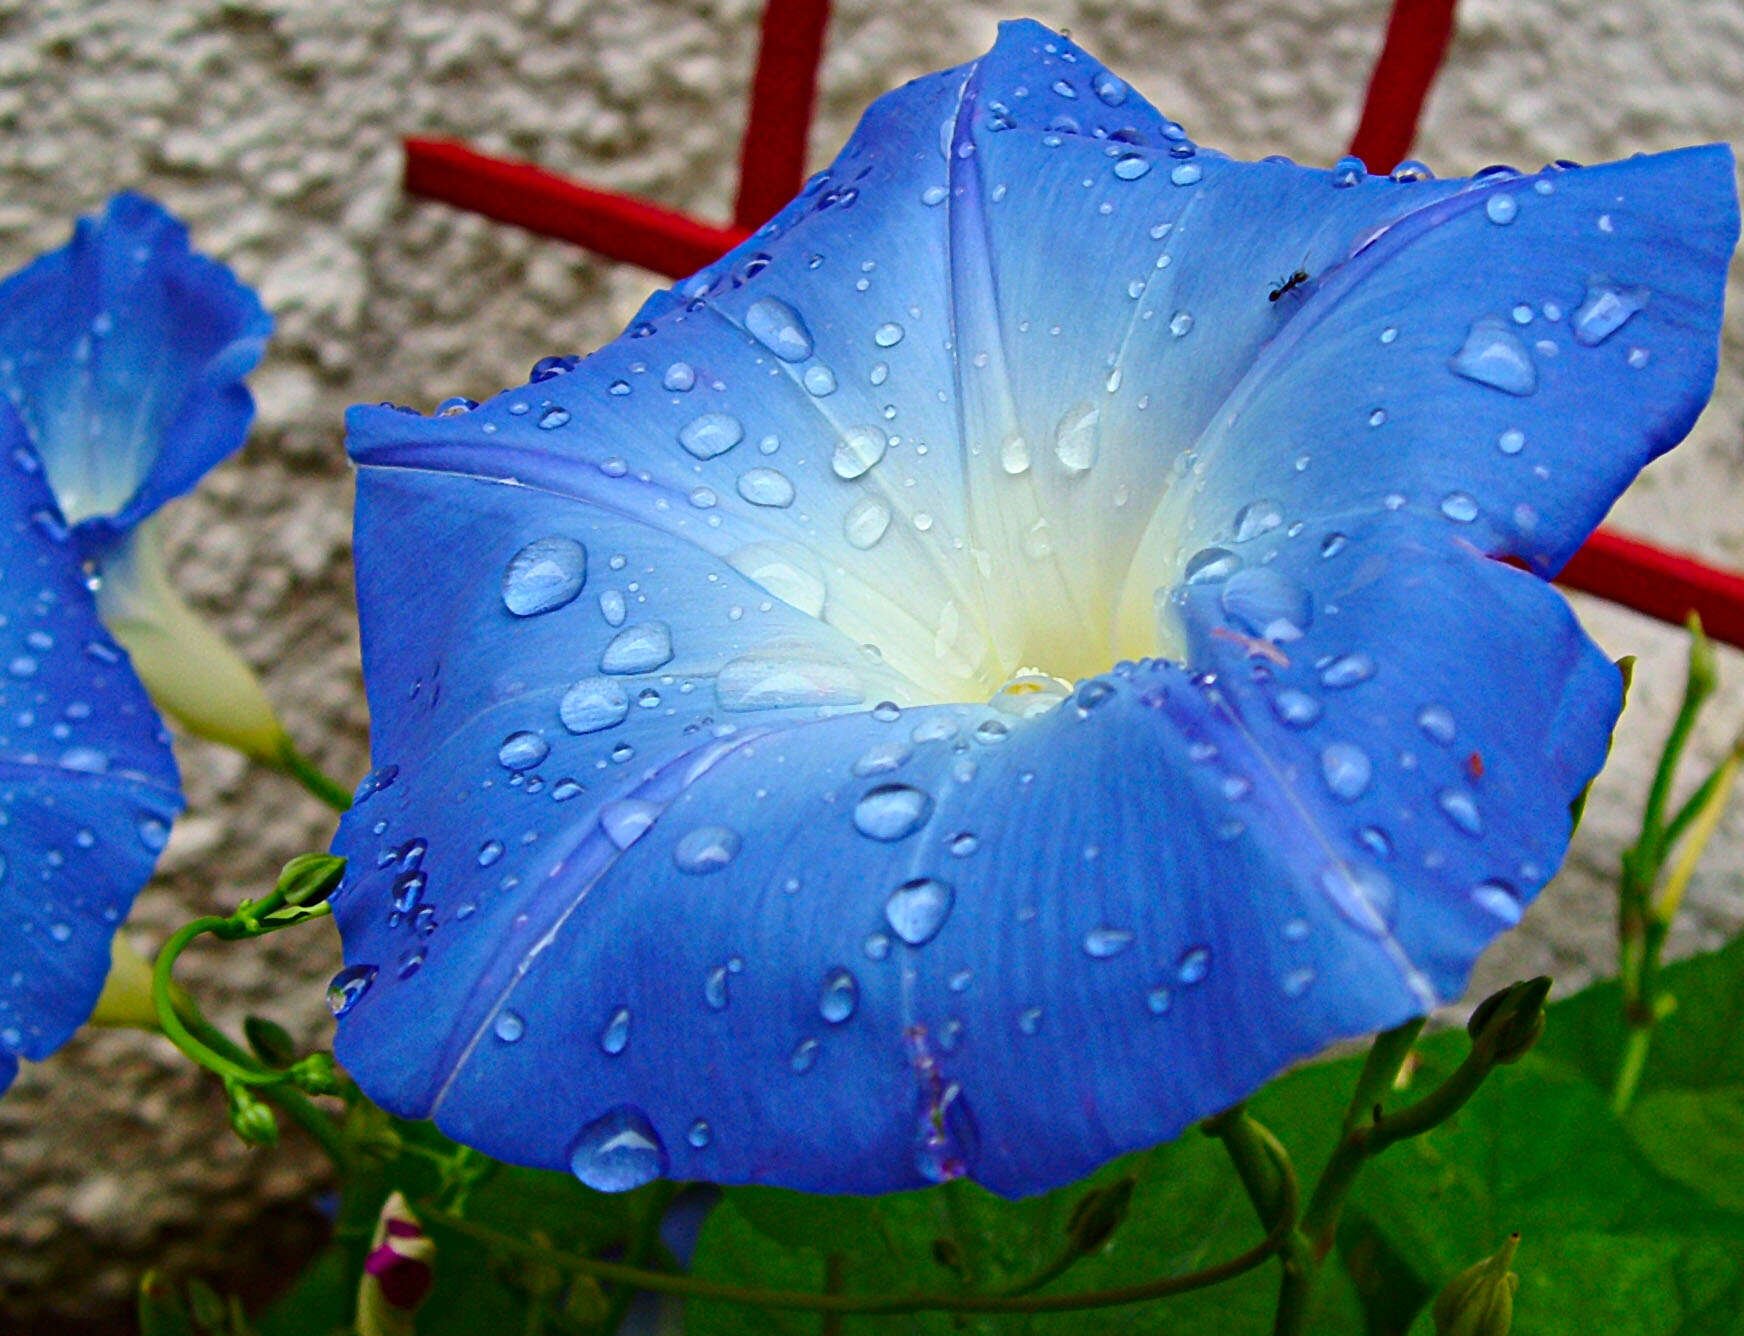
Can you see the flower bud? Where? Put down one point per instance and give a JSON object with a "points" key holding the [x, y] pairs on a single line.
{"points": [[309, 879], [397, 1275], [317, 1074], [1479, 1301], [1508, 1023], [1098, 1214], [251, 1118]]}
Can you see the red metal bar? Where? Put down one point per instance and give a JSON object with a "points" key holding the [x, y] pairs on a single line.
{"points": [[1661, 583], [778, 126], [620, 227], [1417, 36]]}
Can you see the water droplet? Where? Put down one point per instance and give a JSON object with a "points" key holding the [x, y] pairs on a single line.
{"points": [[1500, 899], [1437, 722], [1256, 518], [892, 811], [706, 849], [1411, 171], [1267, 604], [522, 751], [804, 1058], [1346, 770], [1460, 507], [1347, 670], [917, 909], [779, 328], [592, 704], [785, 673], [1186, 174], [990, 732], [1132, 166], [858, 450], [1349, 172], [700, 1135], [1180, 323], [1075, 438], [882, 757], [509, 1026], [1014, 455], [711, 434], [1194, 965], [1109, 88], [1377, 841], [1296, 982], [714, 988], [1461, 810], [1295, 707], [615, 1038], [348, 986], [766, 487], [489, 852], [553, 418], [637, 649], [819, 381], [618, 1151], [1500, 208], [1209, 565], [1512, 441], [153, 834], [841, 994], [544, 575], [867, 520], [1607, 309], [1101, 943], [887, 335], [679, 378], [1493, 356]]}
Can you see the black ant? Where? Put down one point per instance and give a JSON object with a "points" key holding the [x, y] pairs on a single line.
{"points": [[1289, 284]]}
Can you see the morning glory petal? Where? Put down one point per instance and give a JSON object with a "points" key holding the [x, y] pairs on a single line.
{"points": [[87, 784], [783, 833], [124, 353]]}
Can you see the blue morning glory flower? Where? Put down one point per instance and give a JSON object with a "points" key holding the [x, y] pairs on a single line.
{"points": [[121, 359], [1006, 660]]}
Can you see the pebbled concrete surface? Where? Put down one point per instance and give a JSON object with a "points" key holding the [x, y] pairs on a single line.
{"points": [[272, 127]]}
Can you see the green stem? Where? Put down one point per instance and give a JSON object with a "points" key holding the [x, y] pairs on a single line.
{"points": [[1363, 1140], [1265, 1170], [641, 1248], [312, 778], [691, 1287], [170, 1008]]}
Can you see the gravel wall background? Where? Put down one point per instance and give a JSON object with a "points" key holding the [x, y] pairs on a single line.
{"points": [[272, 127]]}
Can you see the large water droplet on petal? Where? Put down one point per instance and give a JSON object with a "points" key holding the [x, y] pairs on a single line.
{"points": [[1500, 899], [1075, 438], [711, 434], [841, 994], [779, 328], [786, 570], [858, 450], [637, 649], [1607, 309], [592, 704], [522, 751], [1265, 603], [867, 520], [348, 987], [618, 1151], [766, 487], [1492, 355], [545, 574], [1256, 518], [786, 673], [917, 909], [892, 811], [1362, 895], [1346, 770], [706, 849]]}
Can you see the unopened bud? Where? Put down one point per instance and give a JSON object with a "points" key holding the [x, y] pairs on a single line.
{"points": [[251, 1118], [397, 1274], [1098, 1214], [317, 1074], [1509, 1022], [1479, 1301], [310, 878]]}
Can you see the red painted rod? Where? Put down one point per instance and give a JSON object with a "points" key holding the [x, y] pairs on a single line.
{"points": [[620, 227], [783, 92], [1417, 36], [1663, 584]]}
